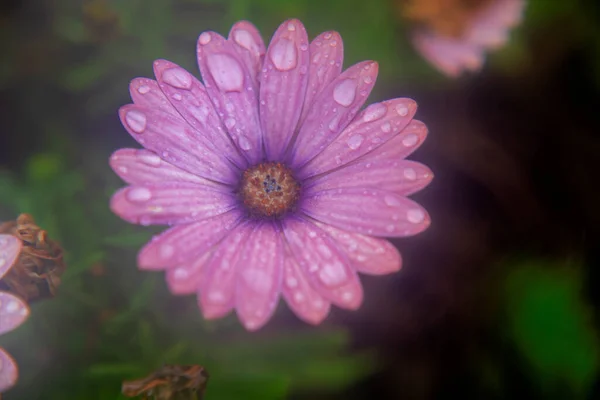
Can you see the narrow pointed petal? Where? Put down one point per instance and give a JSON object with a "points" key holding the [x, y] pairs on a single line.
{"points": [[333, 110], [326, 59], [170, 203], [323, 263], [370, 212], [190, 98], [372, 128], [176, 142], [13, 312], [260, 270], [141, 167], [145, 92], [283, 84], [451, 56], [398, 176], [187, 278], [367, 254], [9, 372], [300, 296], [251, 46], [10, 247], [217, 293], [491, 27], [231, 89], [185, 243]]}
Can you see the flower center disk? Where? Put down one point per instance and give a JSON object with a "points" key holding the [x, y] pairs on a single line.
{"points": [[269, 190]]}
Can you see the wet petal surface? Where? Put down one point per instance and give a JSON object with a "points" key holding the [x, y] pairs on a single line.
{"points": [[9, 372], [13, 312], [10, 247]]}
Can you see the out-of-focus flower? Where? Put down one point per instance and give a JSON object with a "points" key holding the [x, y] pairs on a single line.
{"points": [[36, 273], [274, 180], [170, 382], [13, 310], [454, 35]]}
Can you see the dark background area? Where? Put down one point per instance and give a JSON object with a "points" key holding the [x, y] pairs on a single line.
{"points": [[498, 299]]}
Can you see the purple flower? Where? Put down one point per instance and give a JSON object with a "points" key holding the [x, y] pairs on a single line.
{"points": [[273, 180], [13, 311], [456, 45]]}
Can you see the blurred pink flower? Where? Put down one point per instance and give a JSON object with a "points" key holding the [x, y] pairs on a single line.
{"points": [[274, 181], [13, 311], [486, 29]]}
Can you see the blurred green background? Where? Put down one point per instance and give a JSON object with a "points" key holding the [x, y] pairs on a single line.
{"points": [[499, 299]]}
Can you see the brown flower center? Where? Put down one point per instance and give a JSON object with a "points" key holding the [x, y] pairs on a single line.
{"points": [[445, 17], [269, 190]]}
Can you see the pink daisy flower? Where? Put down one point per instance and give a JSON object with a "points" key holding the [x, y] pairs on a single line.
{"points": [[459, 48], [13, 311], [273, 180]]}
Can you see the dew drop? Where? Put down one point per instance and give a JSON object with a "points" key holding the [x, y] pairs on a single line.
{"points": [[355, 141], [291, 27], [143, 89], [374, 112], [139, 194], [166, 251], [244, 39], [229, 123], [410, 140], [386, 127], [332, 274], [284, 55], [177, 77], [390, 228], [226, 71], [205, 38], [410, 174], [12, 307], [327, 35], [345, 92], [415, 216], [136, 120], [299, 297], [150, 159], [177, 96], [244, 143], [402, 110], [291, 282], [392, 201]]}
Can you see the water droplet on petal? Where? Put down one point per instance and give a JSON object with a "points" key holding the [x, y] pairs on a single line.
{"points": [[402, 110], [166, 251], [177, 96], [410, 140], [150, 159], [374, 112], [291, 282], [299, 297], [244, 39], [244, 143], [386, 127], [177, 77], [205, 38], [143, 89], [226, 71], [284, 55], [229, 123], [390, 228], [355, 141], [392, 201], [410, 174], [327, 35], [415, 216], [136, 120], [332, 274], [12, 307], [139, 194], [345, 92], [291, 27]]}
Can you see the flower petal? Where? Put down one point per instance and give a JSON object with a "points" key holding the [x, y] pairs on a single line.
{"points": [[187, 278], [140, 166], [451, 56], [372, 128], [332, 110], [9, 373], [490, 28], [399, 176], [190, 98], [283, 84], [323, 263], [251, 46], [367, 254], [13, 312], [299, 294], [10, 247], [326, 58], [146, 93], [184, 243], [176, 142], [170, 203], [217, 293], [260, 270], [371, 212], [231, 89]]}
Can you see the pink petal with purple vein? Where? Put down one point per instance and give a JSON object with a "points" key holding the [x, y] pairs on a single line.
{"points": [[176, 142], [190, 98], [183, 244], [9, 373], [367, 254], [217, 293], [259, 275], [323, 263], [232, 91], [299, 294], [332, 110], [10, 247], [250, 46], [283, 84], [326, 58], [187, 278], [372, 128], [13, 312], [140, 167], [170, 203], [371, 212]]}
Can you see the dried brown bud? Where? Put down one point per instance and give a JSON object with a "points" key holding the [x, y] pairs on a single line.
{"points": [[36, 273], [170, 382]]}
